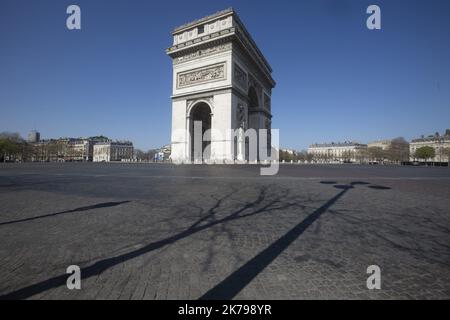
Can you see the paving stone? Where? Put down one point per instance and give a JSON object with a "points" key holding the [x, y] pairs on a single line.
{"points": [[155, 232]]}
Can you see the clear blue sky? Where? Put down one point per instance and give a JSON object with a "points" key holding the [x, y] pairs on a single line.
{"points": [[336, 80]]}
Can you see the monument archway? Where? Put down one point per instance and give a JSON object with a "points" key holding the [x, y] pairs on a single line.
{"points": [[217, 68], [201, 114]]}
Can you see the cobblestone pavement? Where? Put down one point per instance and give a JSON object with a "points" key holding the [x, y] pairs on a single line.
{"points": [[189, 232]]}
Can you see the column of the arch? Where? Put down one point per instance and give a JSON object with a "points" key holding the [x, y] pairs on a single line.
{"points": [[187, 150], [221, 144], [179, 131]]}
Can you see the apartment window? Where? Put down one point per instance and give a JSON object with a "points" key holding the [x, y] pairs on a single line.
{"points": [[201, 29]]}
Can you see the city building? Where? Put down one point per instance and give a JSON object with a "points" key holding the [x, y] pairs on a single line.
{"points": [[383, 144], [79, 150], [222, 81], [50, 150], [337, 152], [65, 149], [288, 151], [440, 144], [163, 154], [34, 136], [113, 151], [389, 151]]}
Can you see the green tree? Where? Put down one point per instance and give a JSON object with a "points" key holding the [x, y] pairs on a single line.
{"points": [[425, 153], [11, 146], [286, 156]]}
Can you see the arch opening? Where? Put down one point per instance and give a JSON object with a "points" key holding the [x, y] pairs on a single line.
{"points": [[202, 113]]}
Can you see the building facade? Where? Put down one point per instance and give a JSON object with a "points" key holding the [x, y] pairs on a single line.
{"points": [[222, 81], [113, 151], [440, 144], [64, 149], [34, 136], [337, 152], [79, 150], [383, 144]]}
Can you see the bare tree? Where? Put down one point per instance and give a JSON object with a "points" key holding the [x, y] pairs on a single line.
{"points": [[347, 155], [362, 155], [376, 154], [309, 157], [398, 150]]}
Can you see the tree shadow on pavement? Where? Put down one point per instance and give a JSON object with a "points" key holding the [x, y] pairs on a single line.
{"points": [[233, 284], [239, 279], [258, 206], [81, 209]]}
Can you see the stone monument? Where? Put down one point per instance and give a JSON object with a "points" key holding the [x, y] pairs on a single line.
{"points": [[221, 80]]}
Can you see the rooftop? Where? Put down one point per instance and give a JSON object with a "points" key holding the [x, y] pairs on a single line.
{"points": [[380, 142], [336, 144], [204, 19], [254, 51], [434, 137], [116, 142]]}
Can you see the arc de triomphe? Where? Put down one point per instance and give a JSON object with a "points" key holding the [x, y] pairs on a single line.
{"points": [[220, 78]]}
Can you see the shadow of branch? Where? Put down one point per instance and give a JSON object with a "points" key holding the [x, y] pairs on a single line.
{"points": [[102, 265]]}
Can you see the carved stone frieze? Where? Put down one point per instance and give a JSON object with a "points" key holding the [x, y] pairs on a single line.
{"points": [[203, 53], [197, 76]]}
